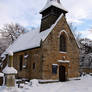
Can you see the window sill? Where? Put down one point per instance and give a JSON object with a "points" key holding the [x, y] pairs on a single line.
{"points": [[62, 52]]}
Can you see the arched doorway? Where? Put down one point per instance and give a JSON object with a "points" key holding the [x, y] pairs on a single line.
{"points": [[62, 76]]}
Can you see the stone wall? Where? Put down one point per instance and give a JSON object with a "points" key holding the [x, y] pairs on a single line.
{"points": [[28, 71], [51, 53]]}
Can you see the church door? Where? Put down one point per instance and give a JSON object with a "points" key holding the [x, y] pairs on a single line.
{"points": [[62, 76]]}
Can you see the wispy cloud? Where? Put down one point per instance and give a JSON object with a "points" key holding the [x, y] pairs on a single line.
{"points": [[25, 12], [86, 33], [78, 10]]}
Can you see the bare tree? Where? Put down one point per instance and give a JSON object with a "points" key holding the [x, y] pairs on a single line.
{"points": [[3, 44], [75, 33], [12, 31]]}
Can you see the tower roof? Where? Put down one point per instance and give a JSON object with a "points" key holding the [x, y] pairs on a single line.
{"points": [[55, 3]]}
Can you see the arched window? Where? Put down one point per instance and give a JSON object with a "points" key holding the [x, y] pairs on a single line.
{"points": [[63, 43]]}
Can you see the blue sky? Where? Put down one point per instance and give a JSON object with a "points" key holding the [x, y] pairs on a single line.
{"points": [[26, 13]]}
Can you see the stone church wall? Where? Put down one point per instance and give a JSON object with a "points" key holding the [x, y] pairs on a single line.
{"points": [[52, 54], [34, 56]]}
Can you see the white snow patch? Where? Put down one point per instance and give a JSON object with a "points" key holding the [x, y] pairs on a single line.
{"points": [[34, 82], [9, 70], [63, 61], [13, 89], [26, 56], [44, 34], [10, 53], [82, 85]]}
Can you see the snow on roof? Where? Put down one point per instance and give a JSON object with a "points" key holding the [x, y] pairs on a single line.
{"points": [[10, 53], [63, 61], [25, 41], [30, 39], [53, 3], [44, 34], [9, 70]]}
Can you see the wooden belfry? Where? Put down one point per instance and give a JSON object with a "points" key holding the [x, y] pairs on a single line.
{"points": [[10, 72], [50, 13]]}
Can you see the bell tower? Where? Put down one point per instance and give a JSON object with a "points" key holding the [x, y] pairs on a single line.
{"points": [[50, 13]]}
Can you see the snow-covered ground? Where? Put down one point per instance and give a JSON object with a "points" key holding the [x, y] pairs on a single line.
{"points": [[83, 85]]}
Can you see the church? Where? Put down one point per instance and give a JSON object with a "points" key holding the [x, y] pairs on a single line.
{"points": [[48, 53]]}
